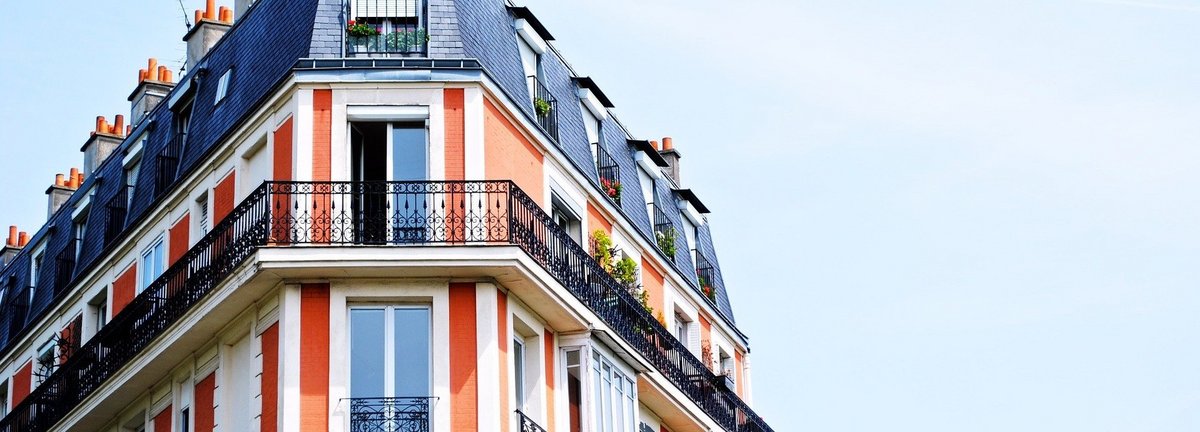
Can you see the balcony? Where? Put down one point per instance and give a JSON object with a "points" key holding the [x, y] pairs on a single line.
{"points": [[526, 424], [168, 164], [545, 107], [665, 233], [706, 275], [118, 209], [407, 414], [610, 174], [386, 28], [65, 271], [280, 214]]}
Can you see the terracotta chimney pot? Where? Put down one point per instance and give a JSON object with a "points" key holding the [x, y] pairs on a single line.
{"points": [[210, 10], [12, 236], [120, 124], [668, 144], [23, 240], [59, 181], [654, 143]]}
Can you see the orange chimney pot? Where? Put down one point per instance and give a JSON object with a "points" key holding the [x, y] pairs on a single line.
{"points": [[120, 124], [654, 143], [152, 69], [210, 10], [668, 144], [99, 123], [12, 235], [23, 240], [58, 180], [199, 15]]}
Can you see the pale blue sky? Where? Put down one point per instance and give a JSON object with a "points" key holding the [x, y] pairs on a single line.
{"points": [[932, 215]]}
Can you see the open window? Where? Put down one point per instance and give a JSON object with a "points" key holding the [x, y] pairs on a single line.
{"points": [[390, 165], [566, 218]]}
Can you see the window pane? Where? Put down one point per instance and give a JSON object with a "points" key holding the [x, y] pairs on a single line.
{"points": [[412, 330], [408, 152], [367, 348], [519, 375]]}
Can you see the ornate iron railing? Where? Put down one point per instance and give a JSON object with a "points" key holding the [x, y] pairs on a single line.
{"points": [[665, 233], [118, 209], [168, 164], [610, 174], [64, 270], [706, 275], [545, 107], [386, 28], [280, 214], [402, 414], [526, 424]]}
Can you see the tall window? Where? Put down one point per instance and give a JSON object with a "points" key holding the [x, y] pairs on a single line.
{"points": [[202, 226], [566, 218], [79, 229], [575, 375], [614, 397], [35, 271], [681, 328], [131, 177], [592, 127], [3, 399], [153, 263], [689, 232], [390, 352], [647, 183], [519, 372]]}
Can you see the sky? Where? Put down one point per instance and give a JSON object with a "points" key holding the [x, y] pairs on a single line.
{"points": [[931, 215]]}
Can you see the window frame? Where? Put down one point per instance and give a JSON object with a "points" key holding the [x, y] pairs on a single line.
{"points": [[223, 85], [158, 248], [389, 363]]}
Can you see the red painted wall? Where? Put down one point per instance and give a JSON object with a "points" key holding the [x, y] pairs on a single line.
{"points": [[314, 357], [464, 377], [223, 198], [22, 383], [178, 245], [322, 134], [162, 421], [270, 380], [509, 156], [124, 288], [282, 155], [205, 410], [456, 135]]}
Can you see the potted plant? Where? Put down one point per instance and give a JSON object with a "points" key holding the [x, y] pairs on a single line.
{"points": [[666, 241], [542, 107], [361, 35], [707, 289], [612, 188], [405, 41]]}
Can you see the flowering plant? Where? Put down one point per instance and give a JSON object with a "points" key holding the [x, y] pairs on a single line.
{"points": [[542, 107], [360, 30], [612, 188]]}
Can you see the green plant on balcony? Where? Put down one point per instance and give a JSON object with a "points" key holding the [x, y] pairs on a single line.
{"points": [[602, 250], [541, 106], [626, 272], [360, 30], [707, 289], [405, 41], [666, 241]]}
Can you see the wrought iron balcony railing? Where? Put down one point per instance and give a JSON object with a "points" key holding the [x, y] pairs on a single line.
{"points": [[526, 424], [545, 107], [706, 275], [168, 164], [386, 28], [280, 214], [118, 209], [402, 414], [64, 270], [665, 233], [610, 174]]}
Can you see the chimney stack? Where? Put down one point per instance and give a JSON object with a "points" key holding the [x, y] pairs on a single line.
{"points": [[62, 189], [104, 140], [672, 157], [211, 24], [16, 241], [154, 83]]}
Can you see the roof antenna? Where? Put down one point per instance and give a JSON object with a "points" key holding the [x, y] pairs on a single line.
{"points": [[183, 10]]}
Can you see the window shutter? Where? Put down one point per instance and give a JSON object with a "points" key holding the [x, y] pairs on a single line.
{"points": [[387, 8]]}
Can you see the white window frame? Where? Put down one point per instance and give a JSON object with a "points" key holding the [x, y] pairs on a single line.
{"points": [[389, 350], [223, 86], [158, 247], [36, 262], [617, 404]]}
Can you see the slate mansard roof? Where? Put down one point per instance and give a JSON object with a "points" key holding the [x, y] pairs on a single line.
{"points": [[262, 48]]}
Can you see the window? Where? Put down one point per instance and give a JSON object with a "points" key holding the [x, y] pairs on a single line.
{"points": [[592, 126], [79, 230], [46, 363], [519, 372], [532, 63], [681, 328], [3, 399], [202, 226], [574, 390], [153, 263], [566, 218], [614, 397], [390, 351], [98, 311], [35, 270], [131, 176], [725, 363], [223, 86], [689, 232], [647, 183], [185, 423]]}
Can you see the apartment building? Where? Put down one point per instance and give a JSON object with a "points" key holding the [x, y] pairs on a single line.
{"points": [[370, 215]]}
